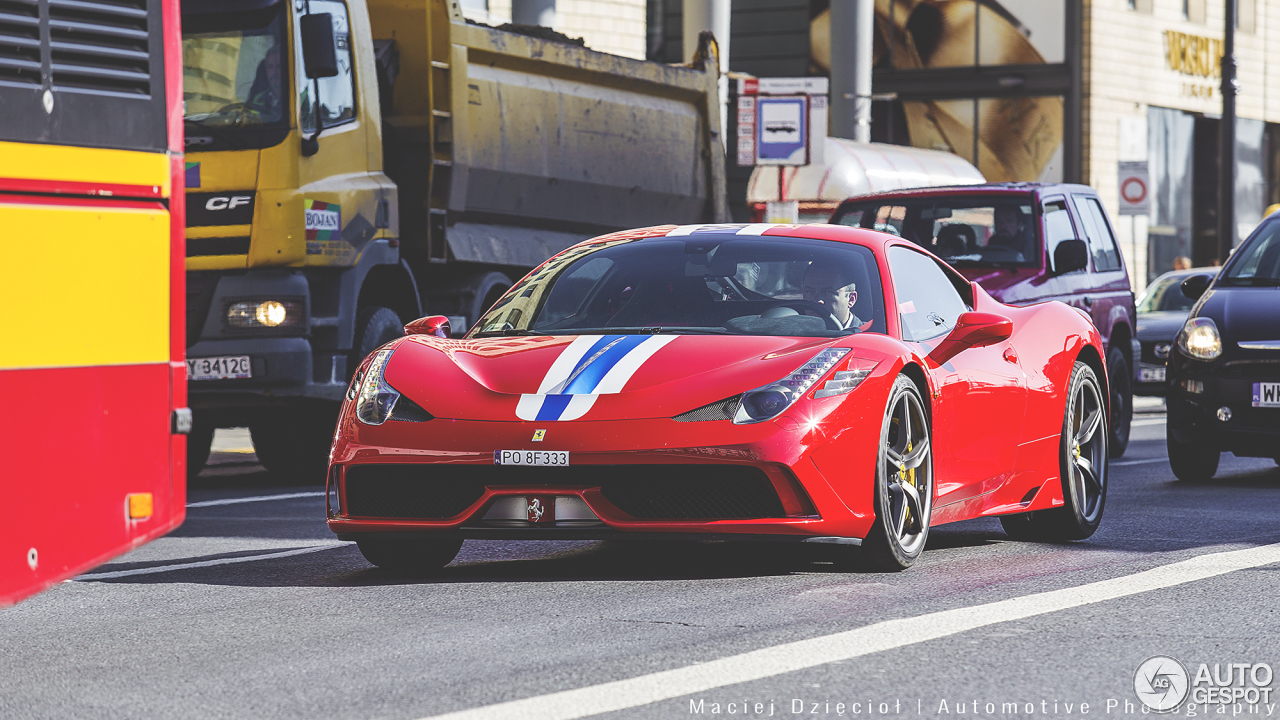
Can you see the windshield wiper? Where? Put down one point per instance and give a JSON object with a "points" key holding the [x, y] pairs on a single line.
{"points": [[658, 330], [510, 332], [217, 132]]}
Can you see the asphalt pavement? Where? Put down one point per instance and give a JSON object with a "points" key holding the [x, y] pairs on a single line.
{"points": [[252, 609]]}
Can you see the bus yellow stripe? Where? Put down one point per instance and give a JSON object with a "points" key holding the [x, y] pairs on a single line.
{"points": [[53, 163], [83, 286]]}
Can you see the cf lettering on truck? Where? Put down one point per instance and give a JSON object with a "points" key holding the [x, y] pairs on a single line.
{"points": [[91, 290], [353, 166]]}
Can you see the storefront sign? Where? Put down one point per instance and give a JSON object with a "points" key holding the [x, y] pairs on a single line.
{"points": [[1135, 188], [1193, 54]]}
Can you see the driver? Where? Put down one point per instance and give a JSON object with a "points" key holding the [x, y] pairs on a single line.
{"points": [[1010, 229], [264, 93], [829, 287]]}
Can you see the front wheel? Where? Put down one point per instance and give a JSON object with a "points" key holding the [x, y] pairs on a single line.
{"points": [[1191, 462], [1121, 401], [410, 556], [1082, 464], [293, 445], [904, 482]]}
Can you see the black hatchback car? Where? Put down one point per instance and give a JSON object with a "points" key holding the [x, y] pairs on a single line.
{"points": [[1224, 371]]}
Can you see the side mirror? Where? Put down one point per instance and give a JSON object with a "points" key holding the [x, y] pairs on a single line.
{"points": [[319, 47], [973, 329], [437, 325], [1194, 286], [1070, 256]]}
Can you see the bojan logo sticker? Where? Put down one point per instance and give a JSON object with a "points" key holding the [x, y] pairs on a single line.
{"points": [[323, 220], [1161, 683]]}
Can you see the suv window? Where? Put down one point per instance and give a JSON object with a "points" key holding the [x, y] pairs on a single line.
{"points": [[1102, 243], [928, 303], [979, 230], [1057, 225]]}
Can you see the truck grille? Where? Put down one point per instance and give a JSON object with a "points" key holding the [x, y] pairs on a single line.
{"points": [[101, 46], [200, 289], [200, 247], [20, 42], [645, 492]]}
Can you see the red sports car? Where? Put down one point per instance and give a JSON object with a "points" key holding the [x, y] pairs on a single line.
{"points": [[808, 383]]}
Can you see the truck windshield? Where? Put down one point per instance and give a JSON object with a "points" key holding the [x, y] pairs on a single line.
{"points": [[700, 284], [234, 69], [965, 231]]}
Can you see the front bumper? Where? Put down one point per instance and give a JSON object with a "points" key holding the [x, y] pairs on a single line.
{"points": [[813, 506], [1197, 391]]}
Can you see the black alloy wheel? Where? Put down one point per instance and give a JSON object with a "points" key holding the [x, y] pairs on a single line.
{"points": [[1082, 459], [904, 485], [1121, 383], [416, 557]]}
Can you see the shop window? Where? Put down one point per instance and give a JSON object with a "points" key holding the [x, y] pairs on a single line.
{"points": [[337, 93]]}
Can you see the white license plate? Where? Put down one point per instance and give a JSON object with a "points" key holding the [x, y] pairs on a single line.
{"points": [[228, 367], [533, 458], [1151, 374], [1266, 394]]}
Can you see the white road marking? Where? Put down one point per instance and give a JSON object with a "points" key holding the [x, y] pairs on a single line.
{"points": [[875, 638], [255, 498], [1139, 462], [1146, 421], [206, 563]]}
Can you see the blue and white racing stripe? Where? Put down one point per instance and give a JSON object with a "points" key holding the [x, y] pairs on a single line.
{"points": [[591, 366]]}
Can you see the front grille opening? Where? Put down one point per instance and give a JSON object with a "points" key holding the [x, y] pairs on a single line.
{"points": [[645, 492]]}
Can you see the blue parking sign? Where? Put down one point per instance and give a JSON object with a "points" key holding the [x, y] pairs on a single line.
{"points": [[782, 130]]}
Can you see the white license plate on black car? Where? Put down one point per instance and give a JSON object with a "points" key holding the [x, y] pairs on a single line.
{"points": [[1151, 374], [532, 458], [1266, 394], [227, 367]]}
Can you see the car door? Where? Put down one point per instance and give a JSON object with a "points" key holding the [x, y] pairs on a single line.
{"points": [[980, 394]]}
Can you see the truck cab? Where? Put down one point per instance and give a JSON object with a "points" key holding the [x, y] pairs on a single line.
{"points": [[1025, 243]]}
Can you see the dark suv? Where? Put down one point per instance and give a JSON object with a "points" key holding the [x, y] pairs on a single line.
{"points": [[1024, 243]]}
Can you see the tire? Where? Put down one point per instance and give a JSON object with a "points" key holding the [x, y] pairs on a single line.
{"points": [[375, 326], [199, 445], [418, 557], [1121, 382], [293, 445], [1082, 460], [1191, 462], [904, 486]]}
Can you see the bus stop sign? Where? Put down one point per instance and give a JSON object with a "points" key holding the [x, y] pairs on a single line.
{"points": [[782, 130]]}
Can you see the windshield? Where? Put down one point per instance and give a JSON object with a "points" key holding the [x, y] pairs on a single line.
{"points": [[1165, 295], [1257, 262], [233, 69], [965, 231], [710, 284]]}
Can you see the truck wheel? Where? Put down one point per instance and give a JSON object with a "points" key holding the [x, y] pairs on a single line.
{"points": [[294, 445], [1121, 400], [375, 326], [199, 444]]}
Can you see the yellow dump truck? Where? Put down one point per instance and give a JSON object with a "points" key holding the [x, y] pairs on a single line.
{"points": [[353, 165]]}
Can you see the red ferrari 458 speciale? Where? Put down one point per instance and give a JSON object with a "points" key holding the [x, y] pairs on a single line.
{"points": [[810, 383]]}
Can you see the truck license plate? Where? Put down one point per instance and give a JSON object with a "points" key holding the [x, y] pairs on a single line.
{"points": [[1151, 374], [534, 458], [1266, 394], [228, 367]]}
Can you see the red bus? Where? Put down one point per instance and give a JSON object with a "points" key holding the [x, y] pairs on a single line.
{"points": [[93, 387]]}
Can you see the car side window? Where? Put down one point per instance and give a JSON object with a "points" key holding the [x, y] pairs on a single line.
{"points": [[1057, 225], [928, 303], [1102, 241], [337, 93]]}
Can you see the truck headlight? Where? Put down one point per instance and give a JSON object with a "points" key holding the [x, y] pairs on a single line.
{"points": [[375, 398], [1199, 339], [267, 313], [769, 401]]}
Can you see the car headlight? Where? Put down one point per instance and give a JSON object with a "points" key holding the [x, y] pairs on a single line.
{"points": [[374, 397], [1199, 339], [265, 314], [769, 401]]}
